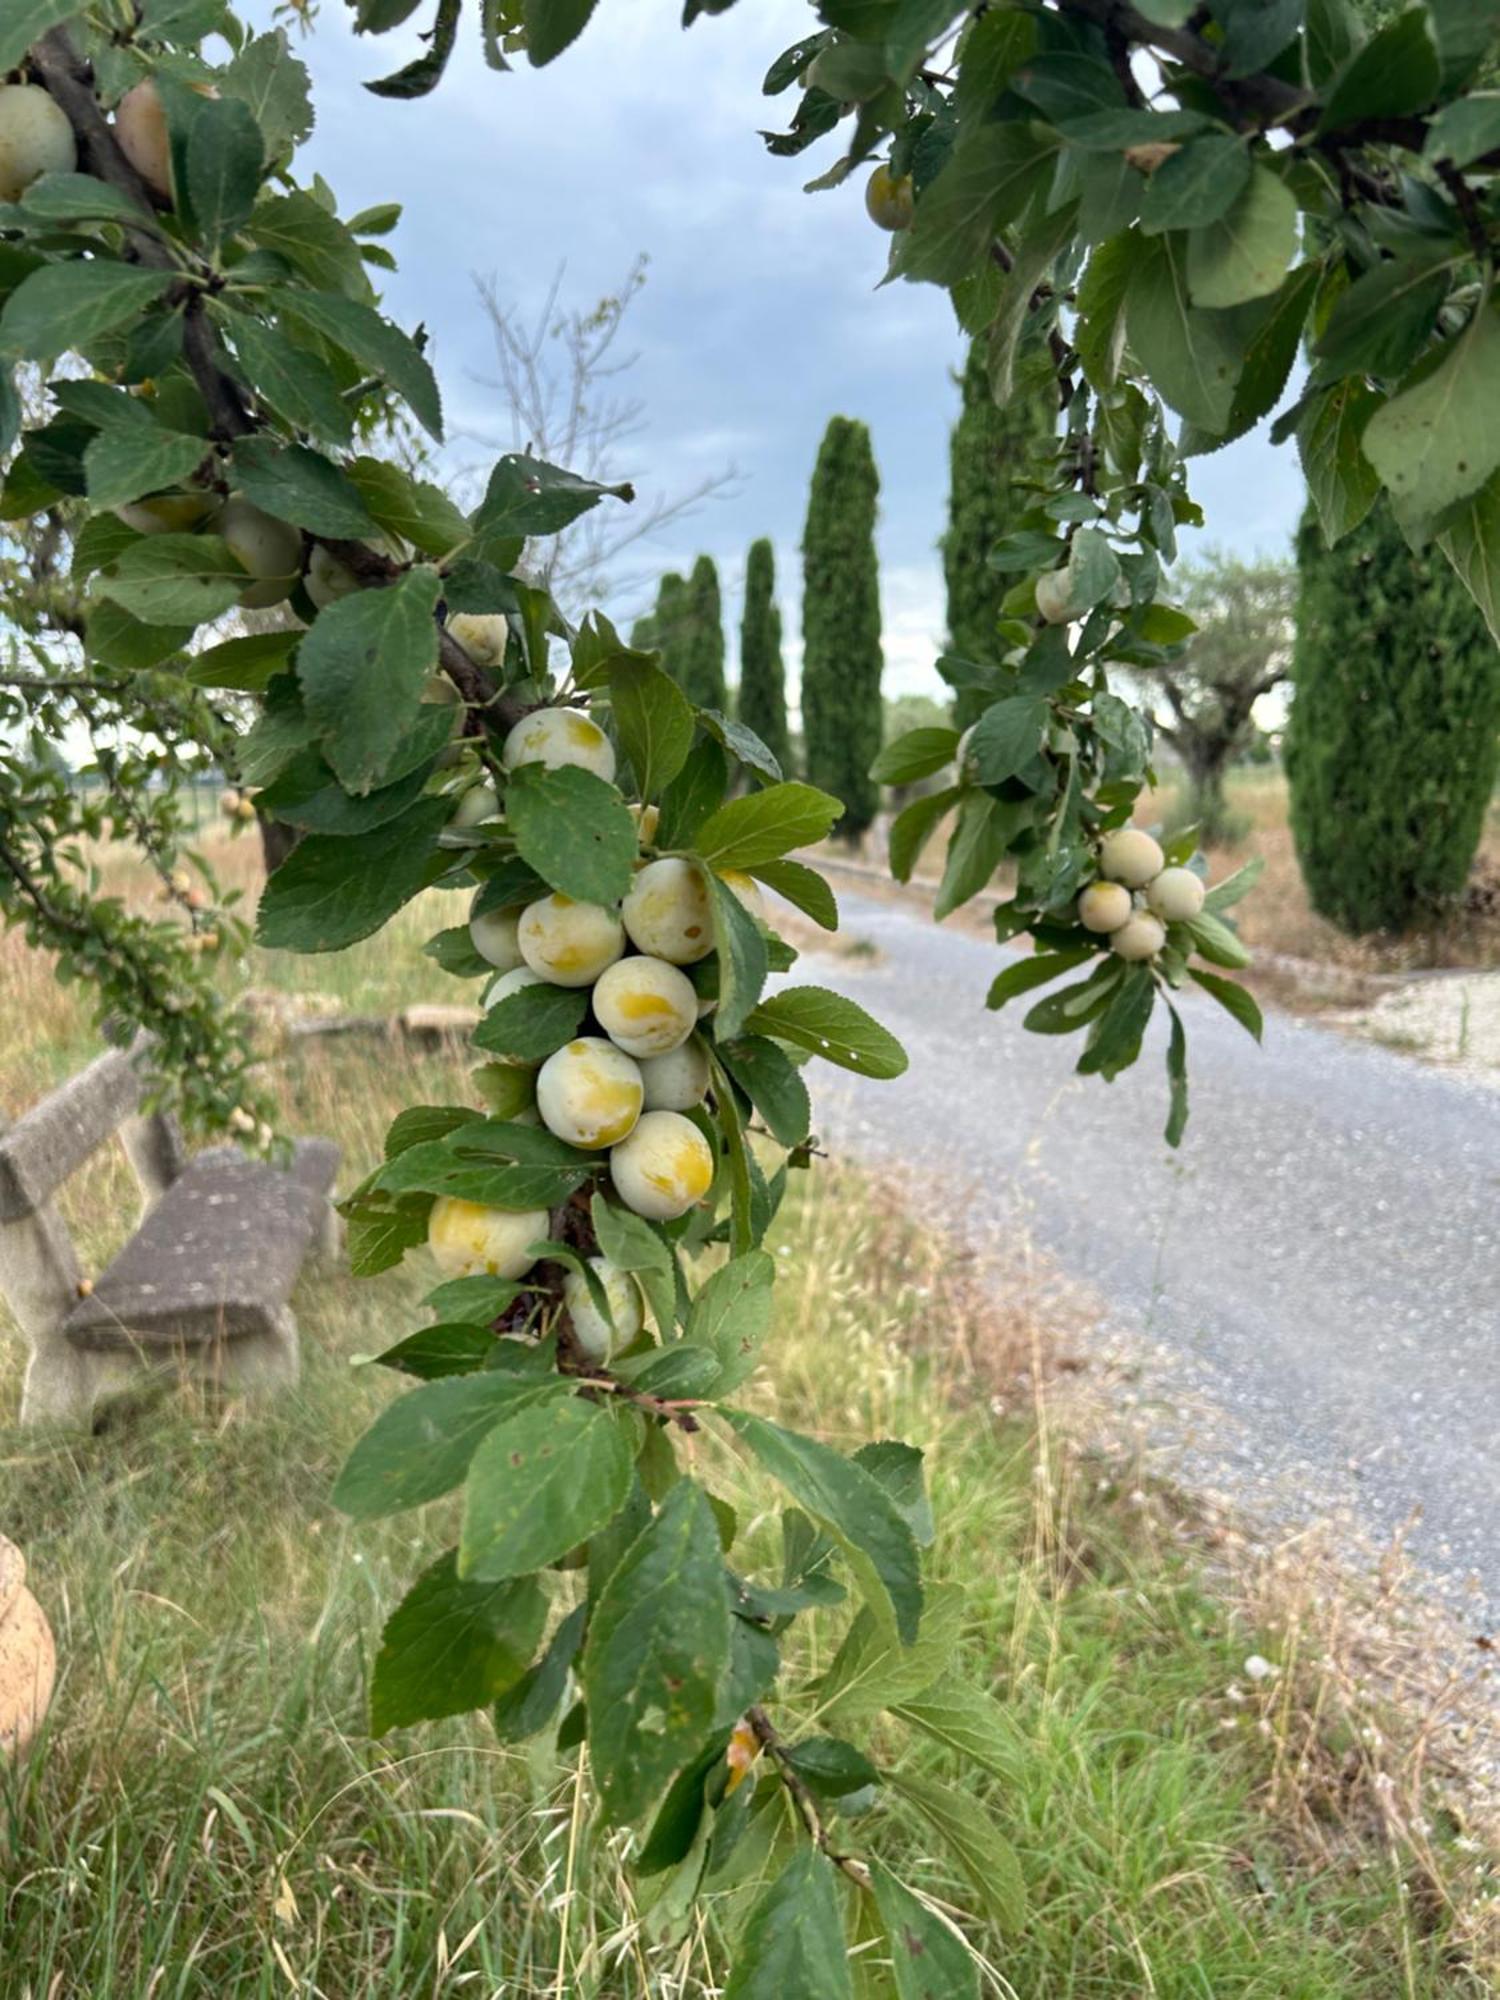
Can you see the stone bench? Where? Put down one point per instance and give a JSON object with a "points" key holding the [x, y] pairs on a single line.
{"points": [[203, 1286]]}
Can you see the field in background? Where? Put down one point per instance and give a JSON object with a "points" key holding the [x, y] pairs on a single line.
{"points": [[207, 1815]]}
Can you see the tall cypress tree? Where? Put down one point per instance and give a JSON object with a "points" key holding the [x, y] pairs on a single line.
{"points": [[700, 665], [664, 629], [1392, 743], [990, 450], [841, 656], [762, 694]]}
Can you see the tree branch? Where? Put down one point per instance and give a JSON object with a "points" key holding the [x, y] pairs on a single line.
{"points": [[769, 1738]]}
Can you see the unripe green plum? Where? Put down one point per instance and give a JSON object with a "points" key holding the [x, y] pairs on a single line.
{"points": [[664, 1168], [493, 936], [482, 634], [468, 1240], [1054, 594], [1141, 936], [1104, 906], [589, 1093], [1176, 895], [327, 578], [554, 737], [645, 1006], [1127, 855], [477, 804], [270, 549], [168, 513], [593, 1335], [678, 1081], [141, 130], [889, 200], [35, 139], [667, 911], [569, 943]]}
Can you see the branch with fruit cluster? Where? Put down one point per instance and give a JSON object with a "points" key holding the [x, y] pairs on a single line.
{"points": [[1156, 209], [425, 719]]}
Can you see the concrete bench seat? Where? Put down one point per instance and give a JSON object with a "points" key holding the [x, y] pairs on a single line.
{"points": [[205, 1282]]}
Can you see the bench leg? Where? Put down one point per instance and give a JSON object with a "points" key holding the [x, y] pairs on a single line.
{"points": [[61, 1384], [268, 1362]]}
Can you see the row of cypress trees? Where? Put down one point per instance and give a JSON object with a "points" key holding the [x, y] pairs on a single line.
{"points": [[842, 716]]}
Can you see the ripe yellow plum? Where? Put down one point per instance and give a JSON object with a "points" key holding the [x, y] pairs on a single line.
{"points": [[1054, 594], [482, 634], [1127, 855], [1176, 895], [645, 1006], [35, 139], [647, 820], [589, 1093], [468, 1240], [554, 737], [667, 911], [889, 200], [569, 943], [745, 891], [270, 549], [1104, 906], [327, 578], [664, 1168], [1142, 936], [678, 1081], [229, 802], [475, 805], [141, 129], [168, 513], [593, 1335], [493, 936]]}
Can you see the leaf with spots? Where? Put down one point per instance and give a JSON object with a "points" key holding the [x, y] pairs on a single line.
{"points": [[544, 1480]]}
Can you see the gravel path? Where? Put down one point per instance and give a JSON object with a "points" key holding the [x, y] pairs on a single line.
{"points": [[1322, 1256]]}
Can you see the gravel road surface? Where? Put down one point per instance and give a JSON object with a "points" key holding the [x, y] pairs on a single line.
{"points": [[1323, 1254]]}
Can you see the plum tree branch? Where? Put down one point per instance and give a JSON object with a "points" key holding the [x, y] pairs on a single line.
{"points": [[769, 1738]]}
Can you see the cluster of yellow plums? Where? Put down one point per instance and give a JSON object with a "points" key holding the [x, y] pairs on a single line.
{"points": [[1138, 895], [623, 1088], [36, 137]]}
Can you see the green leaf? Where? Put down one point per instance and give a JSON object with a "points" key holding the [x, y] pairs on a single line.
{"points": [[574, 830], [740, 956], [68, 305], [526, 496], [1028, 973], [26, 21], [494, 1181], [457, 1347], [1115, 1037], [291, 379], [658, 1648], [831, 1767], [301, 486], [530, 1705], [1459, 134], [803, 887], [773, 1084], [265, 75], [243, 666], [123, 463], [832, 1027], [552, 26], [873, 1670], [414, 509], [330, 892], [1246, 253], [1233, 998], [731, 1316], [420, 1447], [987, 183], [928, 1961], [1196, 186], [1381, 324], [764, 825], [379, 1237], [1190, 357], [546, 1477], [654, 719], [981, 835], [1234, 888], [914, 827], [633, 1245], [1177, 1076], [1340, 479], [1396, 72], [1438, 439], [985, 1856], [452, 1646], [1465, 34], [174, 579], [314, 242], [362, 669], [793, 1941], [968, 1721], [692, 795], [375, 343], [531, 1024], [223, 160], [1471, 542], [81, 198], [855, 1509], [915, 755], [1217, 942]]}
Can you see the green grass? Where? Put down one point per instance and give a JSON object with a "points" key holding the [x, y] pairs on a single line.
{"points": [[205, 1814]]}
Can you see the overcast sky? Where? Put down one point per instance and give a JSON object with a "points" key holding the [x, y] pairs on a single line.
{"points": [[760, 318]]}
